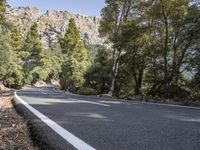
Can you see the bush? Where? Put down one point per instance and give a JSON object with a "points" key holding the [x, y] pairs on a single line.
{"points": [[86, 91]]}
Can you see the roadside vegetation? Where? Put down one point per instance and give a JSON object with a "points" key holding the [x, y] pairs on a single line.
{"points": [[155, 53]]}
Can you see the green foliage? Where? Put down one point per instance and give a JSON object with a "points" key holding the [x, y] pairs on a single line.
{"points": [[124, 80], [155, 52], [99, 74], [32, 52], [51, 65], [114, 15], [174, 27], [76, 59], [5, 26], [154, 46], [135, 42], [16, 42], [71, 38], [194, 68], [10, 69], [86, 91], [55, 59], [92, 52], [2, 11], [5, 53]]}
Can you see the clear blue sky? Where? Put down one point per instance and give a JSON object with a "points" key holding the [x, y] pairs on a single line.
{"points": [[85, 7]]}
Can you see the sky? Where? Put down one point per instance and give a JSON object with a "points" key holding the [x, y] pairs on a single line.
{"points": [[85, 7]]}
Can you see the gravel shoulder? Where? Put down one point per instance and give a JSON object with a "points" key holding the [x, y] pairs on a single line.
{"points": [[14, 132]]}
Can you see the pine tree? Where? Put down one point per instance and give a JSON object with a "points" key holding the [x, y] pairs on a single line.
{"points": [[76, 61], [32, 51], [5, 26], [16, 44], [2, 11], [16, 40], [98, 75], [5, 52], [10, 64], [115, 14]]}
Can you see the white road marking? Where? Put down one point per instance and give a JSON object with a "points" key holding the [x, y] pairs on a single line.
{"points": [[170, 105], [111, 102], [42, 91], [69, 137], [182, 118], [89, 102]]}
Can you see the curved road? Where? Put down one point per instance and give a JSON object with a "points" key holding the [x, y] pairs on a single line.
{"points": [[114, 125]]}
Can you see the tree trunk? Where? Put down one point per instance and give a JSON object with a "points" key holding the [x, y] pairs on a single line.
{"points": [[165, 53], [114, 72], [166, 63], [137, 89], [138, 81]]}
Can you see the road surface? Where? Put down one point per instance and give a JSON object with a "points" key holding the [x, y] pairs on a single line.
{"points": [[96, 123]]}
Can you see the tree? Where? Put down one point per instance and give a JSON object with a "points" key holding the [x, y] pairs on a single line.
{"points": [[114, 15], [32, 52], [10, 65], [98, 75], [4, 47], [175, 28], [135, 43], [16, 40], [10, 68], [51, 64], [76, 59], [4, 25], [193, 68], [2, 11], [16, 44], [153, 42], [5, 53]]}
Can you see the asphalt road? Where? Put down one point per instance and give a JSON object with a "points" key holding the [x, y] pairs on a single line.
{"points": [[118, 125]]}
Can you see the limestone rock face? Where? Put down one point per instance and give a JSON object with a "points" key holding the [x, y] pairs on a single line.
{"points": [[53, 24]]}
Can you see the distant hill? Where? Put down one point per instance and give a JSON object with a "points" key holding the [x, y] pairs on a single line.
{"points": [[52, 24], [196, 2]]}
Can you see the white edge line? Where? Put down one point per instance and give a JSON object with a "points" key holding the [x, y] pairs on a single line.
{"points": [[42, 91], [83, 101], [170, 105], [111, 102], [69, 137], [89, 102]]}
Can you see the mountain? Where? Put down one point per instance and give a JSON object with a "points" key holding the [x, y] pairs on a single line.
{"points": [[52, 24], [195, 2]]}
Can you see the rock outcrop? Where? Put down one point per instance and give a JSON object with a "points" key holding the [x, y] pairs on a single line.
{"points": [[53, 24]]}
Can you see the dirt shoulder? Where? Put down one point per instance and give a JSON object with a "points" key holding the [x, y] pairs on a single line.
{"points": [[14, 133]]}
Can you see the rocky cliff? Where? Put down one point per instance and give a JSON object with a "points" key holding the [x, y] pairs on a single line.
{"points": [[53, 24]]}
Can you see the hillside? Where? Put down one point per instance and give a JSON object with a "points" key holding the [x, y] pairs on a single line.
{"points": [[52, 24]]}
